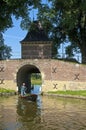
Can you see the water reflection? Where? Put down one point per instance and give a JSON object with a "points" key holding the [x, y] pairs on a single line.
{"points": [[48, 113], [64, 114], [36, 89], [28, 113]]}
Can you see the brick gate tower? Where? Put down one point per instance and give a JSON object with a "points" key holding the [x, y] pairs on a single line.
{"points": [[36, 44]]}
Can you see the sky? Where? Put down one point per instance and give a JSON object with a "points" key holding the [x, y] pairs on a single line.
{"points": [[12, 38]]}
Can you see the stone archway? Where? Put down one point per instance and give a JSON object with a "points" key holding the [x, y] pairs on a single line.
{"points": [[24, 75]]}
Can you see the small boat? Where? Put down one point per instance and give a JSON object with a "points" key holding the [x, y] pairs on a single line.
{"points": [[31, 97]]}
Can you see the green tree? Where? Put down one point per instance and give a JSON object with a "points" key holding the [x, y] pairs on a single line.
{"points": [[68, 19], [5, 51], [17, 8]]}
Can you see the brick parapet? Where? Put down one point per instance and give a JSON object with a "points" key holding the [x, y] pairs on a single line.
{"points": [[52, 71]]}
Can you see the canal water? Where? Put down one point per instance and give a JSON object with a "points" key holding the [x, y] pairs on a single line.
{"points": [[48, 113]]}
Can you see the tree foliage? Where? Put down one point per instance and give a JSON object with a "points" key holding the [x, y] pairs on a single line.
{"points": [[5, 51], [68, 19], [17, 8]]}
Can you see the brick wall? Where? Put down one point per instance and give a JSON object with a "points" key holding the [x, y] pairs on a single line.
{"points": [[36, 50], [56, 75]]}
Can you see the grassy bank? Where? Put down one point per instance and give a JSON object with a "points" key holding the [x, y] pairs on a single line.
{"points": [[3, 90], [36, 82], [68, 92], [36, 79]]}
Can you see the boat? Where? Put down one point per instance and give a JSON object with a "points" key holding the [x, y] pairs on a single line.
{"points": [[31, 97]]}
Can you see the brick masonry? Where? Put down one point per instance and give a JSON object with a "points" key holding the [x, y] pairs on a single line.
{"points": [[56, 75], [37, 50]]}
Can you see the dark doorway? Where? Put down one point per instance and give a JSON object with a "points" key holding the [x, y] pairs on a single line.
{"points": [[24, 76]]}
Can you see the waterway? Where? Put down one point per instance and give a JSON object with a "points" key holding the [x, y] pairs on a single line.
{"points": [[48, 113]]}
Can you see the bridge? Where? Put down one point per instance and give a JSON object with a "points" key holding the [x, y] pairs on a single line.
{"points": [[55, 74]]}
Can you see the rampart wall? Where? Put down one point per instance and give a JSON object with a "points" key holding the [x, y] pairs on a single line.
{"points": [[56, 75]]}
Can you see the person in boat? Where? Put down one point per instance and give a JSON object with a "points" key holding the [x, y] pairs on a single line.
{"points": [[23, 89]]}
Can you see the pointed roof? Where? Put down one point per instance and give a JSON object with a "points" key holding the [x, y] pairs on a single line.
{"points": [[37, 33]]}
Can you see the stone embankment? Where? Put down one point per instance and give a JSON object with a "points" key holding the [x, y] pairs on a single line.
{"points": [[65, 96], [7, 94]]}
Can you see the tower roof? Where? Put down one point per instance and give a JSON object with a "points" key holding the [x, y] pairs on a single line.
{"points": [[37, 33]]}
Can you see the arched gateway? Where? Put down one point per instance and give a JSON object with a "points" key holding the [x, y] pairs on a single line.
{"points": [[36, 53], [24, 75]]}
